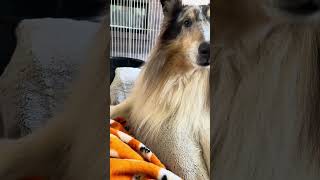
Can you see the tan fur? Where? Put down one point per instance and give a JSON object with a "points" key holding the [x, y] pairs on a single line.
{"points": [[190, 13], [168, 109], [265, 89], [73, 144]]}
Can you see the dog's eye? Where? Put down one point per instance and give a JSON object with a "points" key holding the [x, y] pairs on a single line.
{"points": [[187, 23]]}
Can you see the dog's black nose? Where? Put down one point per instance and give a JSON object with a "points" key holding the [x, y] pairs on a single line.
{"points": [[300, 7], [204, 49], [204, 54]]}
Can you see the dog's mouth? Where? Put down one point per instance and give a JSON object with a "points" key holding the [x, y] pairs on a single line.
{"points": [[203, 61]]}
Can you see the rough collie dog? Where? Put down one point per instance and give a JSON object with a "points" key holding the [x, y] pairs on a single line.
{"points": [[266, 90], [73, 144], [168, 109]]}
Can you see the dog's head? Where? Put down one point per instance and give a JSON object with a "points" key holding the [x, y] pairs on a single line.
{"points": [[186, 31]]}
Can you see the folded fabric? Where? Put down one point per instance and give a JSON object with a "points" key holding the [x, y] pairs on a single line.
{"points": [[122, 84], [130, 159]]}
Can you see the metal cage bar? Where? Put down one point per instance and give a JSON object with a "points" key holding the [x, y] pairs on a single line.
{"points": [[135, 25]]}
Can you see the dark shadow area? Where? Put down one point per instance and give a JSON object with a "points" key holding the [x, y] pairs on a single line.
{"points": [[1, 126], [116, 62], [51, 8], [8, 41]]}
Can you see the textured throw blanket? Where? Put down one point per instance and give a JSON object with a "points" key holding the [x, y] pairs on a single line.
{"points": [[130, 159]]}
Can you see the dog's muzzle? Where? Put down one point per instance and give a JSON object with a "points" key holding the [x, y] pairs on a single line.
{"points": [[204, 54]]}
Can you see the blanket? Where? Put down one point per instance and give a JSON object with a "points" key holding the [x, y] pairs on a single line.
{"points": [[129, 158]]}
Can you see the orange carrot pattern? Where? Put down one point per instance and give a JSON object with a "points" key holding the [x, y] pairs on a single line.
{"points": [[130, 159]]}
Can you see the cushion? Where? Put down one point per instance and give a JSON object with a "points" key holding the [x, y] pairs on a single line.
{"points": [[123, 83], [35, 83]]}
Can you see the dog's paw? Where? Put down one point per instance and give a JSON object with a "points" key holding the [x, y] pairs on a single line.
{"points": [[117, 112]]}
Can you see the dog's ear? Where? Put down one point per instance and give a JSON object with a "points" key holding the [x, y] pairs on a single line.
{"points": [[169, 5]]}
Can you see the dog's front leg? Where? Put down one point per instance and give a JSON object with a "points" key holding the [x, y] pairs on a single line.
{"points": [[121, 110]]}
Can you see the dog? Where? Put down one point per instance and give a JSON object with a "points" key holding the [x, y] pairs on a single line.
{"points": [[168, 108], [73, 143], [265, 90]]}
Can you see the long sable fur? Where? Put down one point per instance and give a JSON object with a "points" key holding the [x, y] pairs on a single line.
{"points": [[73, 143], [265, 101], [164, 83]]}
